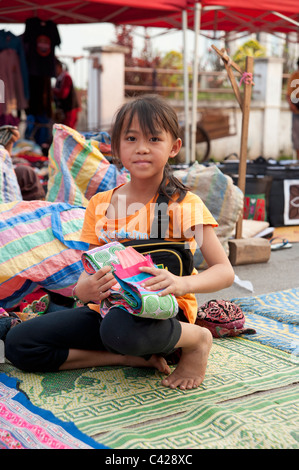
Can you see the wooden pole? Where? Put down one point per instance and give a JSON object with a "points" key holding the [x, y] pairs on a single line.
{"points": [[244, 138], [228, 64], [251, 250], [244, 103]]}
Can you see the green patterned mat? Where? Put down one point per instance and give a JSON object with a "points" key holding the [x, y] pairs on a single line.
{"points": [[257, 423], [126, 407]]}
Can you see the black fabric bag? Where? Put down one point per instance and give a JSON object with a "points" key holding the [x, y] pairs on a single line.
{"points": [[277, 176], [171, 255], [280, 196]]}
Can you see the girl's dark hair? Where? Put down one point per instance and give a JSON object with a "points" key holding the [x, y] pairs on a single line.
{"points": [[154, 114]]}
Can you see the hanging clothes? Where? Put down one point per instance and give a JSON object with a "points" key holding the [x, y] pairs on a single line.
{"points": [[40, 39], [14, 76], [10, 73], [9, 41]]}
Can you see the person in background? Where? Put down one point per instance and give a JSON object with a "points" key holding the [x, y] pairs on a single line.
{"points": [[30, 184], [65, 97], [293, 100]]}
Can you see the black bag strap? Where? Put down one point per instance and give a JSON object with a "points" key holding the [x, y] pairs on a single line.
{"points": [[161, 218]]}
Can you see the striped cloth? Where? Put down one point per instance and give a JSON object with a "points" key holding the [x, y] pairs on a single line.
{"points": [[77, 168], [39, 247], [9, 186]]}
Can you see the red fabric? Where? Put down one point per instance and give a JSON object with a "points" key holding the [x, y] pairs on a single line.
{"points": [[88, 11], [71, 118], [66, 86], [256, 16], [291, 6]]}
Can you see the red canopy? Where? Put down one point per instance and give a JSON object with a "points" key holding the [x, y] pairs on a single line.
{"points": [[216, 15], [230, 15], [87, 11]]}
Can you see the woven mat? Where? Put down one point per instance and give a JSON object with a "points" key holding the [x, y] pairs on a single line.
{"points": [[255, 423], [275, 317], [127, 407]]}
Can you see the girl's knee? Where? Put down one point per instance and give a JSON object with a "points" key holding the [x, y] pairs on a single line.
{"points": [[31, 356], [14, 350], [119, 335]]}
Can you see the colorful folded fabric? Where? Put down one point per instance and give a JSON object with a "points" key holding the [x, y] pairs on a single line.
{"points": [[40, 248], [129, 292], [95, 259]]}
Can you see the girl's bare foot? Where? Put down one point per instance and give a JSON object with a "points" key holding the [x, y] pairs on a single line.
{"points": [[78, 359], [156, 362], [191, 368]]}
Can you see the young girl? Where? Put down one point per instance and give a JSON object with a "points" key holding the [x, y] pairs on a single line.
{"points": [[145, 136]]}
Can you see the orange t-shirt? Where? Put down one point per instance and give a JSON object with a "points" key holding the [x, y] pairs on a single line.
{"points": [[191, 211]]}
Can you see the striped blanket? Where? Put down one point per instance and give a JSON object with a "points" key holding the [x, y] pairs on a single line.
{"points": [[77, 168], [39, 247]]}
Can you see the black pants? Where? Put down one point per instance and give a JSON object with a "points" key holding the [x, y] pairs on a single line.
{"points": [[43, 343]]}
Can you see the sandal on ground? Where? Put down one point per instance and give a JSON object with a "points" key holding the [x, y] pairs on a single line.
{"points": [[279, 244]]}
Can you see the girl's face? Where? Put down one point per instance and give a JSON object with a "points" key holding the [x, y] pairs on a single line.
{"points": [[145, 156]]}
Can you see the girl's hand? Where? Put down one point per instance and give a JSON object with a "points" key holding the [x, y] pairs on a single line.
{"points": [[95, 287], [164, 280]]}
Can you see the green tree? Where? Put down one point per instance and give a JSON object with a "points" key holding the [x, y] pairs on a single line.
{"points": [[251, 48], [171, 60]]}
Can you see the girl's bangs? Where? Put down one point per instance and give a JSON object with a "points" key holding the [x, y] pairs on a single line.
{"points": [[149, 120]]}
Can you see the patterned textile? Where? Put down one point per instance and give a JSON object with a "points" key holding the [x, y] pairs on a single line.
{"points": [[275, 317], [24, 426], [277, 334], [77, 168], [127, 407], [34, 304], [281, 306], [31, 306], [128, 292], [103, 138], [255, 207], [99, 257], [9, 187], [7, 321], [39, 248], [223, 199], [222, 318]]}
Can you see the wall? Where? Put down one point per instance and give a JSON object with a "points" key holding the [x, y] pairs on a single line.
{"points": [[220, 148], [105, 85]]}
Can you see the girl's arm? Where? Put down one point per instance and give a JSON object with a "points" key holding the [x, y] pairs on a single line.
{"points": [[217, 276], [219, 273]]}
